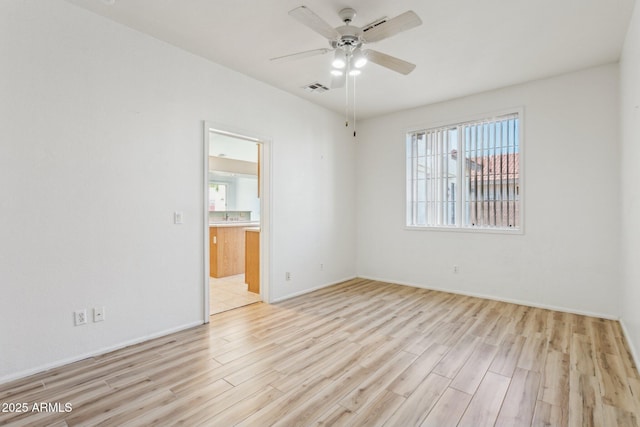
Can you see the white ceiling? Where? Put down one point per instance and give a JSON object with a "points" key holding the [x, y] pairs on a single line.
{"points": [[462, 47], [232, 147]]}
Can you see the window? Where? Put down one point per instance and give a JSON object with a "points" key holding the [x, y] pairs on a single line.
{"points": [[465, 175], [217, 197]]}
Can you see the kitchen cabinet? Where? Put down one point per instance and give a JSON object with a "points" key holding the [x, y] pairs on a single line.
{"points": [[252, 259], [226, 251]]}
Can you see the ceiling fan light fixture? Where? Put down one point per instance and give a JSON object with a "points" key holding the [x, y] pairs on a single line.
{"points": [[339, 59], [359, 58], [347, 42]]}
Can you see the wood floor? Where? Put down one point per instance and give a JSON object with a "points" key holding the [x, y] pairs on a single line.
{"points": [[360, 353]]}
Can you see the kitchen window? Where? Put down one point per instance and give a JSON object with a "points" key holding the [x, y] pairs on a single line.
{"points": [[217, 197], [466, 175]]}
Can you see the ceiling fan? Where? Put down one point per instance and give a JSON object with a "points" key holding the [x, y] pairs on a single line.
{"points": [[348, 41]]}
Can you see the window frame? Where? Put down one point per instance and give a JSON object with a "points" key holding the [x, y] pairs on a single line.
{"points": [[459, 226]]}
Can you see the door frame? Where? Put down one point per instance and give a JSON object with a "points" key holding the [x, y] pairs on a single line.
{"points": [[265, 208]]}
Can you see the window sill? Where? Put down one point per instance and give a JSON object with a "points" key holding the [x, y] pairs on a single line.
{"points": [[481, 230]]}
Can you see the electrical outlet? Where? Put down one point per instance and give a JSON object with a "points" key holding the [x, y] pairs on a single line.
{"points": [[98, 314], [456, 269], [287, 276], [321, 267], [80, 317]]}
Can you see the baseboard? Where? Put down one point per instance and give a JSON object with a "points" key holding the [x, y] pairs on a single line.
{"points": [[627, 337], [496, 298], [307, 291], [101, 351]]}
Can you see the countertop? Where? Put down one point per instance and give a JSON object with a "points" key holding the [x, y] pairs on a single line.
{"points": [[235, 224]]}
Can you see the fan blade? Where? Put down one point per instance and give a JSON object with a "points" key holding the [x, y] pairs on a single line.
{"points": [[338, 81], [390, 62], [307, 17], [393, 26], [300, 55]]}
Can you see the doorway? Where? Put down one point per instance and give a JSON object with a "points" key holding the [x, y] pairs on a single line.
{"points": [[236, 219]]}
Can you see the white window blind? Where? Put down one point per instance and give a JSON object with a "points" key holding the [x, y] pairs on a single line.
{"points": [[465, 175]]}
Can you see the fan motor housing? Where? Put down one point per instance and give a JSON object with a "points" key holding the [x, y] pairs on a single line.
{"points": [[349, 38], [347, 41]]}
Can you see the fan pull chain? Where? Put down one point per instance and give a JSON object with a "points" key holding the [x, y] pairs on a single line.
{"points": [[346, 100], [354, 106]]}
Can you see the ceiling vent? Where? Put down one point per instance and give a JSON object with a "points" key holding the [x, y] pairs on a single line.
{"points": [[374, 24], [315, 87]]}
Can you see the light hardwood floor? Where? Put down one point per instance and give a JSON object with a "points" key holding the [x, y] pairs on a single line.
{"points": [[361, 353]]}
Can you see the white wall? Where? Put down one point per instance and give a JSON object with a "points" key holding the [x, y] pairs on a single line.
{"points": [[101, 141], [630, 177], [568, 255]]}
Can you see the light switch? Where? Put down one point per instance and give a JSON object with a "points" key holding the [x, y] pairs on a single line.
{"points": [[177, 217]]}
